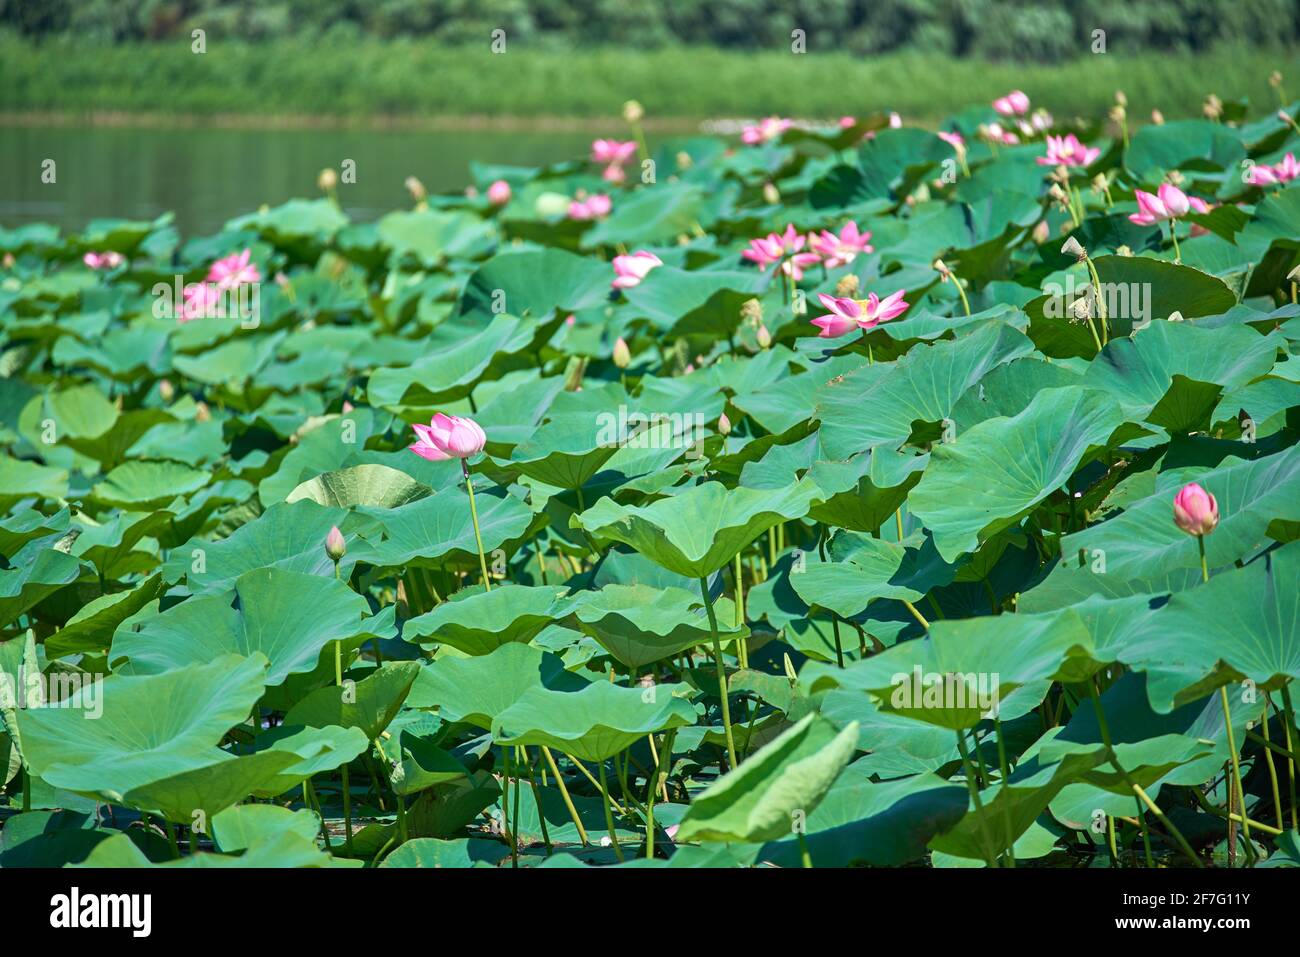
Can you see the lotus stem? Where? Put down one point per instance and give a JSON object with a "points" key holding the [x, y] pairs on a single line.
{"points": [[1104, 728], [916, 614], [564, 793], [1288, 724], [1101, 301], [741, 643], [722, 672], [663, 765], [1004, 771], [347, 784], [514, 815], [537, 799], [1236, 768], [1173, 234], [986, 841], [473, 514], [505, 807], [805, 856], [1272, 768], [609, 816]]}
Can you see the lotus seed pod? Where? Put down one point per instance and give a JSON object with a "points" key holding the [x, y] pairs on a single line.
{"points": [[327, 180]]}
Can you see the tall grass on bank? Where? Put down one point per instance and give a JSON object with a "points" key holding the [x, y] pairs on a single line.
{"points": [[417, 79]]}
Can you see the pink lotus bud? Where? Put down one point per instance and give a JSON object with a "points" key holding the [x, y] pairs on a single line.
{"points": [[724, 424], [622, 354], [498, 193], [448, 437], [764, 337], [335, 546], [1195, 510]]}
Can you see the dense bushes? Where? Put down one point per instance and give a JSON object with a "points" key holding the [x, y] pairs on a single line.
{"points": [[1002, 29]]}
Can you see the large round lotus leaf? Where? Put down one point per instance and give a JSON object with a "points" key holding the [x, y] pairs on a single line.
{"points": [[775, 789], [287, 849], [964, 670], [20, 478], [641, 624], [202, 793], [477, 622], [1243, 624], [535, 282], [288, 617], [238, 828], [922, 386], [698, 530], [376, 485], [568, 449], [369, 704], [148, 485], [595, 722], [438, 530], [315, 750], [290, 537], [992, 475], [91, 629], [433, 852], [1256, 498], [148, 728], [35, 572], [478, 689], [865, 569]]}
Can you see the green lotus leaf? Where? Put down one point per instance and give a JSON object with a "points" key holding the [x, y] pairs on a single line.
{"points": [[569, 449], [698, 530], [290, 618], [434, 852], [478, 622], [996, 472], [147, 485], [374, 485], [865, 569], [1256, 498], [776, 789], [20, 479], [91, 629], [370, 704], [149, 727], [478, 689], [239, 828], [642, 624], [437, 531], [535, 283], [595, 722]]}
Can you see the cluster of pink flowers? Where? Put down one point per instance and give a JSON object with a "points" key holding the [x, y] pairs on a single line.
{"points": [[629, 270], [1166, 204], [1262, 174], [1015, 103], [1068, 151], [764, 131], [224, 275], [586, 208], [848, 314], [788, 249], [613, 155], [105, 260]]}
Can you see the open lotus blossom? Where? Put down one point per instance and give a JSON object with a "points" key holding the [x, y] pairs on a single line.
{"points": [[1262, 174], [842, 249], [1015, 103], [592, 207], [448, 437], [764, 130], [1068, 151], [1168, 203], [612, 151], [1195, 510], [105, 260], [498, 193], [773, 247], [629, 270], [202, 300], [847, 314], [234, 270]]}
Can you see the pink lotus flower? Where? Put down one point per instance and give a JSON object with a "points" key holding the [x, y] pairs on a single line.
{"points": [[499, 193], [846, 122], [612, 151], [448, 437], [1168, 203], [842, 249], [895, 121], [1068, 151], [631, 269], [105, 260], [995, 133], [593, 207], [613, 173], [867, 313], [785, 248], [234, 270], [201, 301], [795, 265], [1195, 510], [1261, 174], [1015, 103], [764, 131], [955, 140], [1199, 206]]}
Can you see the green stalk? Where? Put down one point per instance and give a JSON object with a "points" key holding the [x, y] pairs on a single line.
{"points": [[1288, 723], [804, 856], [1128, 779], [347, 784], [1004, 769], [1101, 302], [537, 798], [1173, 234], [609, 815], [663, 765], [742, 644], [1205, 570], [722, 673], [505, 807], [1272, 768], [473, 514], [1236, 769], [564, 793], [968, 767]]}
